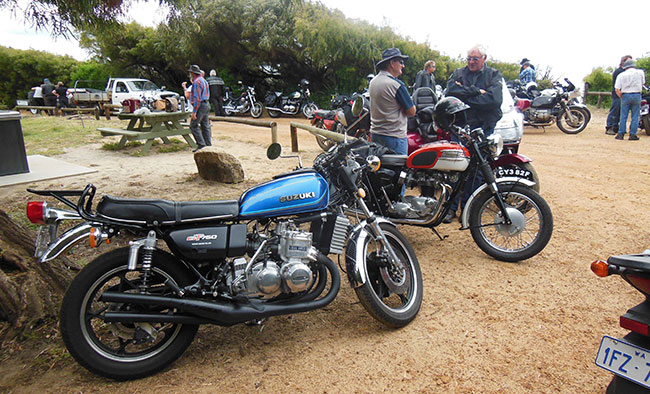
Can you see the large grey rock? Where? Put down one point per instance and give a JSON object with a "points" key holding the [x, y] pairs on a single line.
{"points": [[217, 165]]}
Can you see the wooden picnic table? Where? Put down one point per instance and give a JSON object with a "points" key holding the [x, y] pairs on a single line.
{"points": [[151, 126]]}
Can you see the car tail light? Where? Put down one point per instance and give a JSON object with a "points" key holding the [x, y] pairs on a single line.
{"points": [[600, 268], [36, 211], [633, 325], [641, 284]]}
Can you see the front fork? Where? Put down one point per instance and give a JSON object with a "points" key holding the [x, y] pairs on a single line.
{"points": [[490, 180]]}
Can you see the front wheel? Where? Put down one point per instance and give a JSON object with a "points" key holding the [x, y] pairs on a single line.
{"points": [[572, 121], [123, 350], [308, 110], [324, 142], [391, 296], [257, 110], [527, 235], [521, 170]]}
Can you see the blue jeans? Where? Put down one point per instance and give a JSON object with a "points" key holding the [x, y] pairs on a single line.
{"points": [[396, 144], [200, 126], [630, 102], [614, 113]]}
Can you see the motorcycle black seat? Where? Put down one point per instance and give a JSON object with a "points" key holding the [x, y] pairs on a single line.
{"points": [[165, 211], [391, 160], [634, 261], [325, 114]]}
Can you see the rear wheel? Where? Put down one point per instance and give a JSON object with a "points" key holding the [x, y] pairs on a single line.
{"points": [[324, 143], [527, 235], [391, 296], [123, 350], [273, 113], [308, 110], [572, 121], [257, 110], [646, 124]]}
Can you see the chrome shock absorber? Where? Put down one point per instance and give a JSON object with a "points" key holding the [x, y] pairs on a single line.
{"points": [[148, 247]]}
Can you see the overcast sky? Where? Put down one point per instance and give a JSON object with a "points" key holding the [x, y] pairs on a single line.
{"points": [[570, 36]]}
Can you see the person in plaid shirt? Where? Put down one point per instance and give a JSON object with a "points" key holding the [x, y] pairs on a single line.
{"points": [[527, 74], [200, 100]]}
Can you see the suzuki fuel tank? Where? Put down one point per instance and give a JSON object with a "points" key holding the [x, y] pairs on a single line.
{"points": [[287, 194], [441, 156]]}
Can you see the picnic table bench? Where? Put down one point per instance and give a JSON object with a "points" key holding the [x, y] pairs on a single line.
{"points": [[151, 126]]}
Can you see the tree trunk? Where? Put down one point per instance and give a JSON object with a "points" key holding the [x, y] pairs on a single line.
{"points": [[29, 291]]}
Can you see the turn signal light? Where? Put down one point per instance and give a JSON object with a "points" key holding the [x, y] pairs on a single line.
{"points": [[600, 268], [36, 211], [362, 193]]}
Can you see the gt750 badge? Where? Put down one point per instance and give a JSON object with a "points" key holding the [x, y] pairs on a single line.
{"points": [[301, 196]]}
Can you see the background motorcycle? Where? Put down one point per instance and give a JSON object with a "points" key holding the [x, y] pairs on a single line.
{"points": [[628, 358], [134, 310], [557, 105], [291, 104], [644, 119], [246, 102], [508, 220], [341, 120]]}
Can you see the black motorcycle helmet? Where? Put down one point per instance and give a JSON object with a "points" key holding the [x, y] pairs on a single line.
{"points": [[450, 111]]}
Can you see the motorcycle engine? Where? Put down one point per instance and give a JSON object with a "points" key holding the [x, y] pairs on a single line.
{"points": [[289, 108], [290, 274], [540, 115]]}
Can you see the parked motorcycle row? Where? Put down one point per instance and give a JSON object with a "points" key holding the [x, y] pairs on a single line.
{"points": [[276, 102]]}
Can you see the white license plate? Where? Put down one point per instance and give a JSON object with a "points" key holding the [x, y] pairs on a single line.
{"points": [[624, 359], [517, 172]]}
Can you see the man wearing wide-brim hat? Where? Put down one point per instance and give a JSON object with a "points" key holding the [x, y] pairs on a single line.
{"points": [[390, 103], [628, 87], [200, 100]]}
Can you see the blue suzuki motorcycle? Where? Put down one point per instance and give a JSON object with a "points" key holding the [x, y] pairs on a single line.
{"points": [[134, 310]]}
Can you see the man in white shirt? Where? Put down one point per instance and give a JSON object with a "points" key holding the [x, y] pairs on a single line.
{"points": [[628, 87]]}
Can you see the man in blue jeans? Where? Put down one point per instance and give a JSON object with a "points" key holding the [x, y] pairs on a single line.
{"points": [[200, 97], [390, 103], [628, 87], [614, 115]]}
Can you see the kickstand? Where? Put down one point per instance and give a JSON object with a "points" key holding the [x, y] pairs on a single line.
{"points": [[438, 234]]}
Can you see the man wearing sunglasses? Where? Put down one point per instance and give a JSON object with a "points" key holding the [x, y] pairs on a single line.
{"points": [[478, 86], [390, 103]]}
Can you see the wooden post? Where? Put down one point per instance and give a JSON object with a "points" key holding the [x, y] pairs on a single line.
{"points": [[294, 138], [251, 122], [600, 101]]}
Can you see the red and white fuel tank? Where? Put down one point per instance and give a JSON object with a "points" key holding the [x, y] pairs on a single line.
{"points": [[441, 156]]}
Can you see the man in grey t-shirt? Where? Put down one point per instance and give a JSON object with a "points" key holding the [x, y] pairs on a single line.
{"points": [[390, 103]]}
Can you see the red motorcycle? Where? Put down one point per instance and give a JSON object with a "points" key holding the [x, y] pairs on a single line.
{"points": [[629, 357]]}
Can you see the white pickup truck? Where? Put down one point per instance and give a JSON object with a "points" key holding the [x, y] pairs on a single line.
{"points": [[120, 89]]}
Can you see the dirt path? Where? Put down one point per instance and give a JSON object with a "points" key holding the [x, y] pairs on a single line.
{"points": [[485, 326]]}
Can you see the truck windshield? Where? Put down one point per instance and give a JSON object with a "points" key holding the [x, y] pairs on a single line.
{"points": [[142, 85]]}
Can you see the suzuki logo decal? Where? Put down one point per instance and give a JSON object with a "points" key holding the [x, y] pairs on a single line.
{"points": [[301, 196]]}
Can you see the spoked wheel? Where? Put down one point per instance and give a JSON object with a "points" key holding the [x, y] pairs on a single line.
{"points": [[523, 170], [572, 121], [527, 235], [324, 143], [257, 110], [273, 113], [646, 124], [123, 350], [308, 110], [390, 295]]}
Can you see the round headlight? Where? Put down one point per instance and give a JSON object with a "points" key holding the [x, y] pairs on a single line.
{"points": [[496, 144]]}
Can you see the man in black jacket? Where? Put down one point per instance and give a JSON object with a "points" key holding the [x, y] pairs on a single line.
{"points": [[615, 110], [216, 92], [478, 86]]}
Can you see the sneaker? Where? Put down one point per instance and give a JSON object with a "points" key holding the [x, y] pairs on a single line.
{"points": [[633, 137], [619, 136], [610, 132], [450, 217], [201, 147]]}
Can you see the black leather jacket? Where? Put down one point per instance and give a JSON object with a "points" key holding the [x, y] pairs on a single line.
{"points": [[485, 109]]}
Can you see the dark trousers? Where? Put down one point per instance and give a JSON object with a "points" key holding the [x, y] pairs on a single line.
{"points": [[614, 114], [200, 126], [217, 105]]}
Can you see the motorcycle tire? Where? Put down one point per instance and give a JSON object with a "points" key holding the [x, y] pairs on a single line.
{"points": [[388, 307], [646, 124], [308, 110], [324, 143], [122, 351], [564, 123], [529, 233], [257, 110], [273, 113], [523, 170]]}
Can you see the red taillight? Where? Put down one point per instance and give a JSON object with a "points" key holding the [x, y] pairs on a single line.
{"points": [[600, 268], [36, 211], [632, 325], [642, 284], [644, 102]]}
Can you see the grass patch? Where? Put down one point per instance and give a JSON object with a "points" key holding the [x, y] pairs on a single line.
{"points": [[115, 145]]}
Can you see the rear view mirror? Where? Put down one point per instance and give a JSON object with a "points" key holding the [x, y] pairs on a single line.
{"points": [[357, 107], [274, 151]]}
